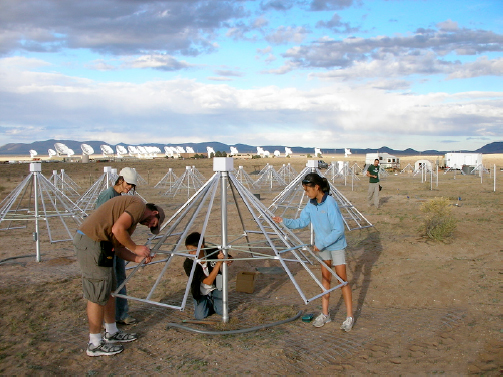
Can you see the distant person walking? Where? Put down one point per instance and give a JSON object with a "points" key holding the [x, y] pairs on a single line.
{"points": [[373, 174], [124, 184], [323, 213]]}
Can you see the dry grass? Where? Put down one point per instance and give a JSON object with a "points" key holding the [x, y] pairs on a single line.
{"points": [[422, 307], [438, 222]]}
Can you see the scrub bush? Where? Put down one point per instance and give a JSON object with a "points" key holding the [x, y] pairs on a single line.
{"points": [[438, 222]]}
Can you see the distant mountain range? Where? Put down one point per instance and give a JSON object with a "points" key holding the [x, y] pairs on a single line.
{"points": [[42, 147]]}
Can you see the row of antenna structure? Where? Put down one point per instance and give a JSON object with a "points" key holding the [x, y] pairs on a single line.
{"points": [[288, 151], [260, 151], [131, 150], [61, 149]]}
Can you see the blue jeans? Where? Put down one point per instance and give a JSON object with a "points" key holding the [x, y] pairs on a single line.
{"points": [[121, 304], [209, 304]]}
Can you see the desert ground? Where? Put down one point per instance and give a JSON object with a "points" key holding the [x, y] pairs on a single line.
{"points": [[421, 306]]}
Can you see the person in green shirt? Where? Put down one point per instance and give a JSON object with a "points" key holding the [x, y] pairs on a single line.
{"points": [[124, 183], [373, 174]]}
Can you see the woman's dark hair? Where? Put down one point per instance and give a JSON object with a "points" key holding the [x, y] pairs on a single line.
{"points": [[121, 179], [193, 239], [313, 179]]}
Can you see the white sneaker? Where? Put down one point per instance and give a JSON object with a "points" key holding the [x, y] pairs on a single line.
{"points": [[321, 320], [347, 325], [104, 349]]}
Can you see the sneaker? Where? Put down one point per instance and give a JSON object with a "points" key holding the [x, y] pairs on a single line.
{"points": [[104, 349], [127, 321], [120, 337], [321, 320], [347, 325]]}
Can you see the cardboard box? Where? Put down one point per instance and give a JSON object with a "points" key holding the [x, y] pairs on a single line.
{"points": [[245, 281]]}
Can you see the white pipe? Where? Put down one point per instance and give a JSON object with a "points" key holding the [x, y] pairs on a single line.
{"points": [[225, 278], [36, 234]]}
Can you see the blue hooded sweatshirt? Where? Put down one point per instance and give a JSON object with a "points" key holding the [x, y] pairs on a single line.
{"points": [[327, 223]]}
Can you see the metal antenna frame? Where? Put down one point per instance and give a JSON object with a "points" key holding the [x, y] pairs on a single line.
{"points": [[269, 178], [168, 180], [198, 174], [88, 200], [408, 168], [64, 183], [188, 180], [245, 179], [423, 169], [40, 201], [479, 168], [266, 241], [341, 171], [292, 200], [287, 172]]}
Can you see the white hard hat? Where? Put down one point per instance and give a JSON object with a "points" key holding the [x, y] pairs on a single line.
{"points": [[129, 175]]}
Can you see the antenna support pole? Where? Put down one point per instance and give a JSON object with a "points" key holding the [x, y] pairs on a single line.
{"points": [[225, 291], [36, 168], [223, 165]]}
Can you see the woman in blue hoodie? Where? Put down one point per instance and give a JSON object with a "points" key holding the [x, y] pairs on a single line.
{"points": [[330, 242]]}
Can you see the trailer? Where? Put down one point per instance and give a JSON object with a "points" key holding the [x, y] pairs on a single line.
{"points": [[386, 160], [458, 160]]}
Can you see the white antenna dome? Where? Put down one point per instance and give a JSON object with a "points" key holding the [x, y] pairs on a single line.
{"points": [[87, 149]]}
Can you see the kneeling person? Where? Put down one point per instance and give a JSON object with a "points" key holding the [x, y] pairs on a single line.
{"points": [[206, 293]]}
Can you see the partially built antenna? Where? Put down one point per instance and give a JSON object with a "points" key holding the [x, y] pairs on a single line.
{"points": [[256, 239]]}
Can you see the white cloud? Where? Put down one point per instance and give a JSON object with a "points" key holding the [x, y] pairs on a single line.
{"points": [[115, 27], [448, 25], [166, 109], [296, 84], [212, 78], [101, 65], [482, 67], [263, 51], [287, 34], [156, 61]]}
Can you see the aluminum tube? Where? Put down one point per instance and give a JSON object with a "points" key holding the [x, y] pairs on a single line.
{"points": [[36, 234], [225, 278]]}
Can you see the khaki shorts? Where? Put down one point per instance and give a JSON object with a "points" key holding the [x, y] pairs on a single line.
{"points": [[337, 257], [97, 282]]}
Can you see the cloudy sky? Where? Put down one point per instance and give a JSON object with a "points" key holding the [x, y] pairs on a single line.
{"points": [[425, 74]]}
